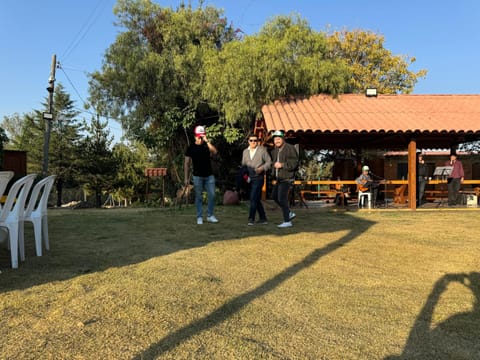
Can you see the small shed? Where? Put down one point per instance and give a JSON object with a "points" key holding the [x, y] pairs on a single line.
{"points": [[16, 161]]}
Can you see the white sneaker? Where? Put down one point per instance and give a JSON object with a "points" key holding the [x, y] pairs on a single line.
{"points": [[285, 224], [292, 215], [212, 219], [199, 221]]}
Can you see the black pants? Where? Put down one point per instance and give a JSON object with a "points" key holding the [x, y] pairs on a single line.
{"points": [[421, 189], [373, 189], [280, 196], [453, 185]]}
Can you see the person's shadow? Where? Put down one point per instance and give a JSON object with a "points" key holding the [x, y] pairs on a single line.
{"points": [[458, 337]]}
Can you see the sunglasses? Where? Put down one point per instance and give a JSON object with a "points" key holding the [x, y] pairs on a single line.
{"points": [[250, 140]]}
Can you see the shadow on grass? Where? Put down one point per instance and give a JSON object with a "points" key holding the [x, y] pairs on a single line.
{"points": [[355, 226], [91, 240], [457, 337]]}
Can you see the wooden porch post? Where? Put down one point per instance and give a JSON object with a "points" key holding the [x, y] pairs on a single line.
{"points": [[412, 174]]}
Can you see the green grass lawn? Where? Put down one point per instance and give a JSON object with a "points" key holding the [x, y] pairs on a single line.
{"points": [[146, 284]]}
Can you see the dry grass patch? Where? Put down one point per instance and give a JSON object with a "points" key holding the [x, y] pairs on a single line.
{"points": [[144, 284]]}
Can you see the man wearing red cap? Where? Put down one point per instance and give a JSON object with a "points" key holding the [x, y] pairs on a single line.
{"points": [[198, 156]]}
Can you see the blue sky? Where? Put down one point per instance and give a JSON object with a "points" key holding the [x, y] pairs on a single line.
{"points": [[443, 36]]}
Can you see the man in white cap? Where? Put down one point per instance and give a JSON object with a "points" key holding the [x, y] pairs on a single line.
{"points": [[285, 164], [198, 156], [365, 183]]}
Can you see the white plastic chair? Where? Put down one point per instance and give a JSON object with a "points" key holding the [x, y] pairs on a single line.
{"points": [[12, 212], [361, 198], [36, 213]]}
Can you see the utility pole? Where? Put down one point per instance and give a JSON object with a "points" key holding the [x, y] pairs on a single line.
{"points": [[48, 116]]}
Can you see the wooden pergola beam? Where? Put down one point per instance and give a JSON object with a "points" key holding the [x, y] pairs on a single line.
{"points": [[412, 174]]}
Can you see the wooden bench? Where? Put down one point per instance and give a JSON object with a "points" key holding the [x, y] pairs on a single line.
{"points": [[322, 194], [399, 194], [435, 194]]}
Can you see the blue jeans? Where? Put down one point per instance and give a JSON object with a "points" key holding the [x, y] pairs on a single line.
{"points": [[280, 196], [207, 184], [255, 199]]}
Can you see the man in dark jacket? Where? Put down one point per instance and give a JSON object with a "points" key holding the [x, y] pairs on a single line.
{"points": [[422, 178], [285, 164]]}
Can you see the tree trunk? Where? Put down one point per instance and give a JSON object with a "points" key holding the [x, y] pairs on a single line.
{"points": [[98, 199], [59, 192]]}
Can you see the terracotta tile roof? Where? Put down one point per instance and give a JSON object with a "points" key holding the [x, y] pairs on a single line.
{"points": [[356, 113]]}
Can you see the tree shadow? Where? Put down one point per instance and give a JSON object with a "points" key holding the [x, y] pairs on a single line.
{"points": [[233, 306], [458, 337]]}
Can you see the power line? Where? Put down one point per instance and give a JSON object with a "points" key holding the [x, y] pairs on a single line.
{"points": [[83, 30], [59, 66], [93, 114]]}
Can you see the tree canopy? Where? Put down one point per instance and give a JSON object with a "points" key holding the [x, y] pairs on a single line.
{"points": [[286, 58], [371, 64]]}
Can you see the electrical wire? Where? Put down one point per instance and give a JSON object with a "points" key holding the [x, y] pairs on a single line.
{"points": [[59, 66], [92, 18], [93, 114]]}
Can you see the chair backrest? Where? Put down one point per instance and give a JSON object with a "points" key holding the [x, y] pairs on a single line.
{"points": [[15, 203], [5, 177], [39, 196]]}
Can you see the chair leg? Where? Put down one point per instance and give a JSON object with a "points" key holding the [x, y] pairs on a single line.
{"points": [[37, 229], [13, 234], [45, 232], [21, 240]]}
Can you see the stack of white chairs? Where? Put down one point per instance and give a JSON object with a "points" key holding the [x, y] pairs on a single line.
{"points": [[12, 213], [36, 213]]}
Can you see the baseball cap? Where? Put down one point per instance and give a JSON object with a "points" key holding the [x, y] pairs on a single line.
{"points": [[365, 168], [199, 131], [278, 133]]}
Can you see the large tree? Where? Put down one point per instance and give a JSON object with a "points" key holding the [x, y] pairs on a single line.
{"points": [[371, 64], [27, 133], [286, 58], [13, 127], [64, 141], [94, 161], [131, 160], [152, 75]]}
